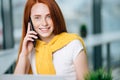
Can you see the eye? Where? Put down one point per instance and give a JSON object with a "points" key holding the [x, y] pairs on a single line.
{"points": [[48, 16], [37, 17]]}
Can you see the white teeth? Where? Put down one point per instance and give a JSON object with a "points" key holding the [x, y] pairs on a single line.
{"points": [[44, 29]]}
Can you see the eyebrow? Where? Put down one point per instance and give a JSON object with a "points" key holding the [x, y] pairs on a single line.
{"points": [[40, 15], [37, 15]]}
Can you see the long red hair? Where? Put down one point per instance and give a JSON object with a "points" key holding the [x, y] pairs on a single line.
{"points": [[56, 14]]}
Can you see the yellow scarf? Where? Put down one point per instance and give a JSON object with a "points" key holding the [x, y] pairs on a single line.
{"points": [[44, 51]]}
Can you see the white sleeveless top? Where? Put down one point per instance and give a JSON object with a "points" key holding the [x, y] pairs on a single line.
{"points": [[63, 59]]}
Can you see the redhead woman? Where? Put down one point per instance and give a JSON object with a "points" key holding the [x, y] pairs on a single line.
{"points": [[55, 52]]}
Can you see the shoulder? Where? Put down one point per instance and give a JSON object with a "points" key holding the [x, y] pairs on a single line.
{"points": [[75, 43], [74, 48]]}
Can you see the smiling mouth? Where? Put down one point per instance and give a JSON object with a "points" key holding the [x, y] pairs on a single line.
{"points": [[44, 29]]}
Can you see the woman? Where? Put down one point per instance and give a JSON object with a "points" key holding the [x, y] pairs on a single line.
{"points": [[56, 52]]}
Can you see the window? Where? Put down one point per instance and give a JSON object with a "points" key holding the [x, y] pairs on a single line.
{"points": [[111, 23], [1, 35], [18, 9]]}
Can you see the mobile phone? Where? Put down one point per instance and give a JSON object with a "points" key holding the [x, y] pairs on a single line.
{"points": [[31, 25], [32, 29]]}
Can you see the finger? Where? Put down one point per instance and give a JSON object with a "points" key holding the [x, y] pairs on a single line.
{"points": [[30, 39], [32, 32], [32, 36], [28, 29]]}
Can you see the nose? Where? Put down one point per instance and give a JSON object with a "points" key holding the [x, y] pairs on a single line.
{"points": [[44, 22]]}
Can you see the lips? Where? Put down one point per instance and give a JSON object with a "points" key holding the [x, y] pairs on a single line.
{"points": [[46, 29]]}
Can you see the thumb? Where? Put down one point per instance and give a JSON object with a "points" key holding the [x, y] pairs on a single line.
{"points": [[28, 28]]}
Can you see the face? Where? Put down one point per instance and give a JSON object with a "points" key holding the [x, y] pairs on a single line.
{"points": [[42, 21]]}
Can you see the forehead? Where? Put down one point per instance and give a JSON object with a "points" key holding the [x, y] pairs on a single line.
{"points": [[39, 8]]}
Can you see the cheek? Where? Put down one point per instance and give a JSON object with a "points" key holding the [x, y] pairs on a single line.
{"points": [[36, 24], [51, 22], [52, 26]]}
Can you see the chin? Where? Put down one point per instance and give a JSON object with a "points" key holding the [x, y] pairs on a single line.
{"points": [[45, 35]]}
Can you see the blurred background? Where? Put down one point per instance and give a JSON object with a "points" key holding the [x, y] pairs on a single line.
{"points": [[97, 21]]}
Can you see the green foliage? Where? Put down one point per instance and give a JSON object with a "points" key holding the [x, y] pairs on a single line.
{"points": [[83, 30], [99, 75], [83, 27]]}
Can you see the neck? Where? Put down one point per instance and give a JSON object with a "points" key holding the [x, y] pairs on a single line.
{"points": [[47, 39]]}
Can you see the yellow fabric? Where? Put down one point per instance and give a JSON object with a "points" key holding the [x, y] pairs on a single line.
{"points": [[44, 51], [30, 71]]}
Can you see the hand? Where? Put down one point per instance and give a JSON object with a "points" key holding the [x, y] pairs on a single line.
{"points": [[28, 41]]}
